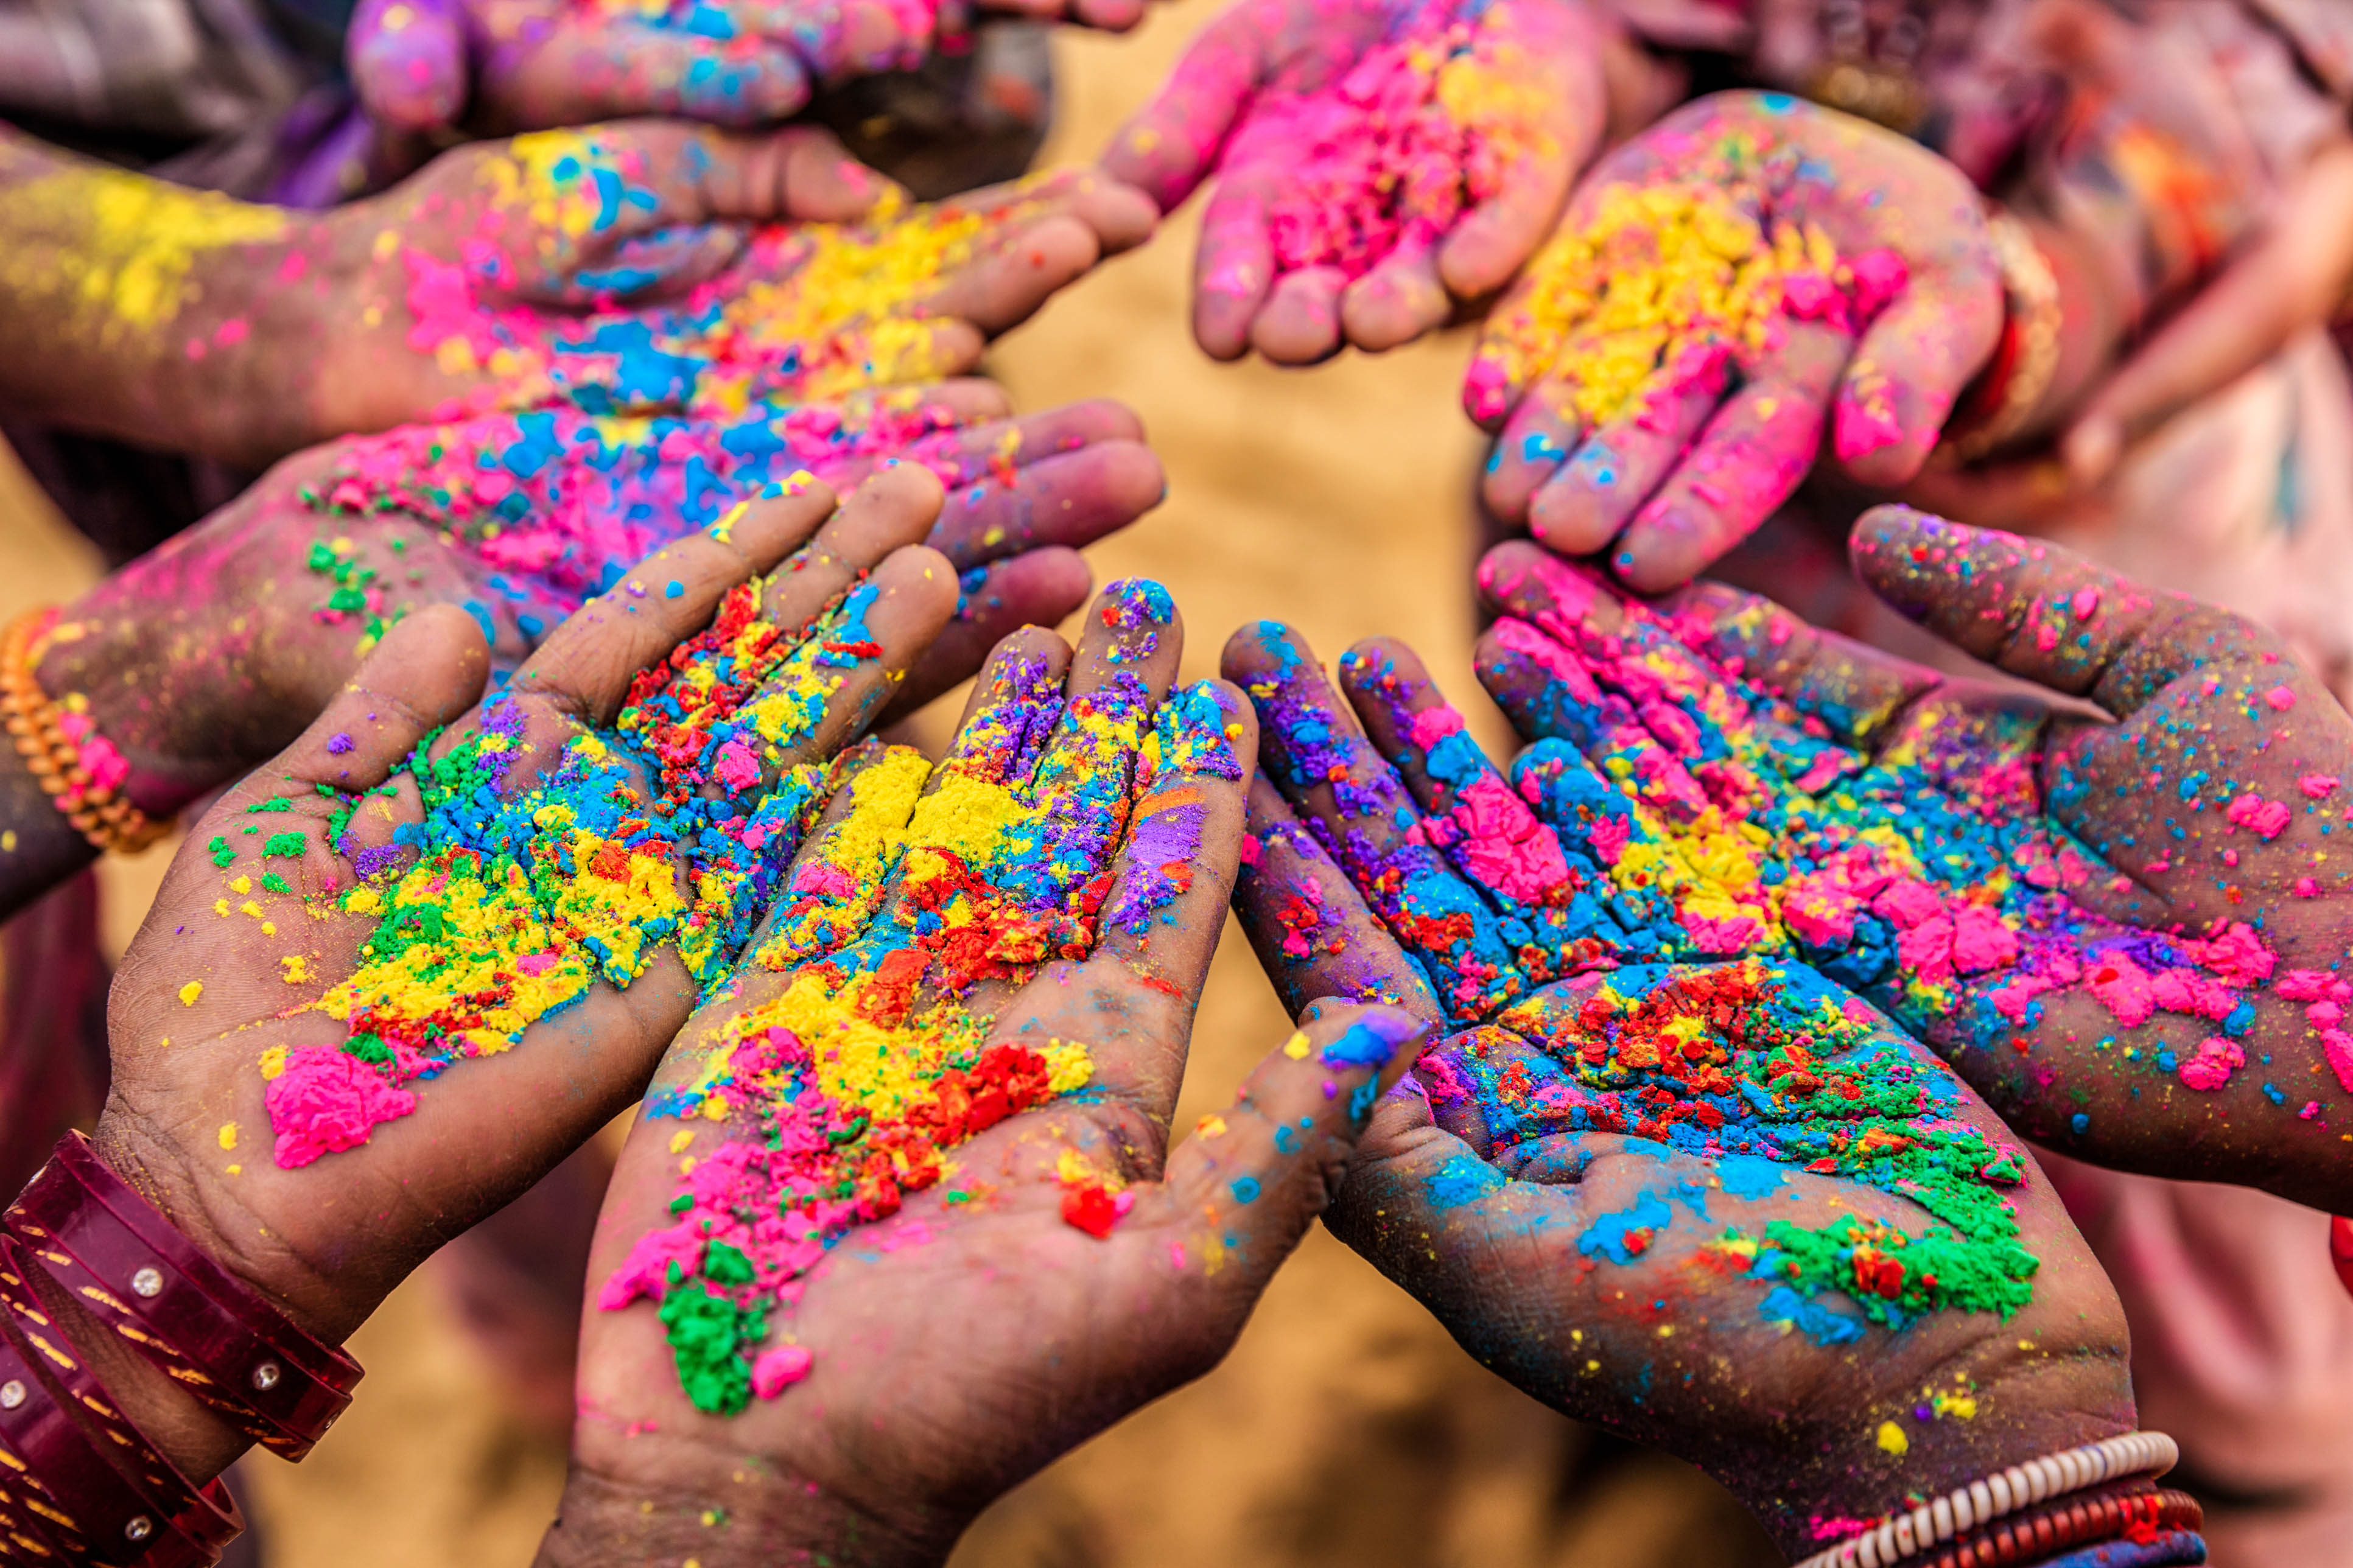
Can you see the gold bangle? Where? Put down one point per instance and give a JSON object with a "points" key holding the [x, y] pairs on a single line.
{"points": [[2030, 291], [97, 812]]}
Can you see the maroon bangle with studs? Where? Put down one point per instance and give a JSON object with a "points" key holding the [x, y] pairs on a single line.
{"points": [[209, 1333]]}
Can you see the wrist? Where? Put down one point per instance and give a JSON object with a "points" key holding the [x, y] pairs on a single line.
{"points": [[739, 1512], [98, 663]]}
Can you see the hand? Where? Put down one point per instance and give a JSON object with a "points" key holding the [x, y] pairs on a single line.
{"points": [[207, 655], [1721, 1207], [916, 1155], [1746, 274], [1377, 162], [394, 977], [643, 266], [2112, 903], [501, 66]]}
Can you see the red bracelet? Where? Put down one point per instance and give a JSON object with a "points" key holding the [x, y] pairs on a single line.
{"points": [[113, 1498], [2341, 1250], [210, 1333], [2078, 1522]]}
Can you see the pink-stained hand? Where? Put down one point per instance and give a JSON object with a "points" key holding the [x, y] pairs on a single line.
{"points": [[640, 266], [1747, 277], [1377, 163], [1719, 1206], [900, 1223], [2110, 897], [210, 654], [501, 66], [368, 1006]]}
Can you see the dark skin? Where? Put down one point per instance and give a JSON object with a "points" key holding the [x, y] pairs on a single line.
{"points": [[328, 1241], [1489, 1227], [270, 330], [960, 1346], [203, 658]]}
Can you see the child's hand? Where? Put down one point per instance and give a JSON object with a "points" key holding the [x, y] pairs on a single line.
{"points": [[397, 975], [205, 657], [636, 266], [1722, 1206], [915, 1156], [2120, 922], [501, 66], [1377, 162], [1746, 275]]}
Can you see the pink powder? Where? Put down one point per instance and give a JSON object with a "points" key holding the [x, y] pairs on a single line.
{"points": [[2211, 1068], [2336, 1046], [1908, 903], [2266, 819], [2305, 888], [737, 766], [2086, 604], [1503, 845], [328, 1099], [2280, 697], [1926, 950], [2123, 988], [778, 1368], [1981, 943], [2316, 785], [2238, 955]]}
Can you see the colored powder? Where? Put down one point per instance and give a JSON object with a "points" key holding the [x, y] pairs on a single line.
{"points": [[521, 897], [1668, 287], [868, 1054], [1423, 128], [125, 245]]}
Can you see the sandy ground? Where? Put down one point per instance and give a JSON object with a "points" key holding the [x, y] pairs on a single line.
{"points": [[1345, 1428]]}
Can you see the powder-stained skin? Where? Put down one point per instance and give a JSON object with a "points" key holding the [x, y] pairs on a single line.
{"points": [[1746, 277], [863, 1043], [1373, 161]]}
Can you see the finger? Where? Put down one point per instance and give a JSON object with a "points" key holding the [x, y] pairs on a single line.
{"points": [[2300, 273], [1300, 322], [1171, 883], [837, 879], [1548, 101], [896, 505], [1622, 459], [1915, 359], [586, 665], [2044, 614], [1039, 588], [429, 669], [1171, 144], [1396, 301], [1233, 263], [1013, 709], [1069, 499], [1859, 692], [1125, 663], [1750, 459], [408, 62], [1003, 287], [1536, 440], [580, 75], [999, 446], [1309, 926], [1255, 1177]]}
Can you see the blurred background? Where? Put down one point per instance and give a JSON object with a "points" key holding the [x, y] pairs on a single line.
{"points": [[1346, 1427]]}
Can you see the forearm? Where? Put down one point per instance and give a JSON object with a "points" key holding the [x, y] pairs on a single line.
{"points": [[135, 308]]}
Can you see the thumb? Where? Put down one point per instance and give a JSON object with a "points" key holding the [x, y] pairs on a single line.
{"points": [[1250, 1181], [407, 60]]}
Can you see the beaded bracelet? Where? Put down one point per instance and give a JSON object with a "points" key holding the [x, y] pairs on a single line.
{"points": [[53, 757], [112, 1497], [1901, 1535], [208, 1331], [2079, 1521]]}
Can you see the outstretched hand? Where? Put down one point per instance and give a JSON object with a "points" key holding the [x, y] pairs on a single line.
{"points": [[2113, 904], [397, 974], [1376, 162], [499, 66], [899, 1224], [1722, 1206], [1749, 276]]}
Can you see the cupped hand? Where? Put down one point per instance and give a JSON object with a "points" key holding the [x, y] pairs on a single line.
{"points": [[395, 975], [1376, 162], [641, 266], [1747, 276], [1721, 1206], [500, 66], [2107, 890], [205, 657], [899, 1223]]}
